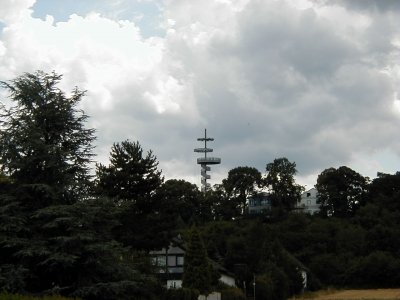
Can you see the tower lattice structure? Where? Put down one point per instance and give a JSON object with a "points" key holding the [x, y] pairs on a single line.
{"points": [[205, 161]]}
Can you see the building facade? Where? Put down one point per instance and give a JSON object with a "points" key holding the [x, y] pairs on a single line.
{"points": [[169, 264], [308, 202], [259, 203]]}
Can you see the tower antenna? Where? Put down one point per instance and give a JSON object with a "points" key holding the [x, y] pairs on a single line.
{"points": [[205, 161]]}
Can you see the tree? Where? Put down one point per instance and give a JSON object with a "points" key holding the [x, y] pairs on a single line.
{"points": [[131, 175], [385, 191], [43, 139], [197, 268], [241, 182], [181, 199], [131, 180], [55, 237], [341, 191], [280, 178], [45, 152]]}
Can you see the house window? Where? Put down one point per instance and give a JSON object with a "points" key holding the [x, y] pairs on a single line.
{"points": [[308, 194], [172, 261], [161, 261], [179, 260]]}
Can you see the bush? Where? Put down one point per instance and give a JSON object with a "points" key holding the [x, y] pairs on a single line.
{"points": [[232, 294], [6, 296], [182, 294]]}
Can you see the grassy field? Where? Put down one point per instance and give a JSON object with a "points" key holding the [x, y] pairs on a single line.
{"points": [[353, 294]]}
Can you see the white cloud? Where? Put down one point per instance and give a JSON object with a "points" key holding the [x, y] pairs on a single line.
{"points": [[15, 10], [311, 80]]}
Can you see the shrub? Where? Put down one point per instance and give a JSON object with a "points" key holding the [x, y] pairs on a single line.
{"points": [[6, 296], [182, 294], [232, 294]]}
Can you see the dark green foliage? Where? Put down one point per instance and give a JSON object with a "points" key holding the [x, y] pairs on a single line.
{"points": [[131, 180], [6, 296], [132, 176], [377, 270], [132, 290], [55, 238], [341, 191], [182, 294], [384, 192], [264, 287], [44, 144], [232, 294], [280, 177], [222, 206], [241, 182], [181, 200], [197, 268]]}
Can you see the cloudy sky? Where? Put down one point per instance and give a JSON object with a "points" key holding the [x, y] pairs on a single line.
{"points": [[316, 81]]}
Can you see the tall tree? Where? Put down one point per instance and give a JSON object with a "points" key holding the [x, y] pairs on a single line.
{"points": [[54, 236], [131, 180], [241, 182], [280, 178], [197, 268], [385, 191], [44, 142], [341, 191], [131, 175], [181, 199]]}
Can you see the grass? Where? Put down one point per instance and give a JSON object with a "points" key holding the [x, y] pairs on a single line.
{"points": [[6, 296], [373, 294]]}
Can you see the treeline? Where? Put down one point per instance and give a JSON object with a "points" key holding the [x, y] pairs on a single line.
{"points": [[64, 231]]}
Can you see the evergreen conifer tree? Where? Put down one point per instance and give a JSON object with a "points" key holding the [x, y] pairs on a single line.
{"points": [[197, 268], [55, 237]]}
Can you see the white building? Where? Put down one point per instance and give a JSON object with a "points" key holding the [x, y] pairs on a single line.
{"points": [[308, 202]]}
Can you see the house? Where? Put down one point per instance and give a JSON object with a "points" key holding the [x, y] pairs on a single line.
{"points": [[259, 203], [170, 262], [308, 202]]}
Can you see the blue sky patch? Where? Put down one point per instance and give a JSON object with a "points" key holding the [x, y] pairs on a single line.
{"points": [[145, 14]]}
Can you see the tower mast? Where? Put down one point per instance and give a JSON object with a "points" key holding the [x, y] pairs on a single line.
{"points": [[205, 161]]}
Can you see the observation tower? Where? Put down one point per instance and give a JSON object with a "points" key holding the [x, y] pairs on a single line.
{"points": [[205, 161]]}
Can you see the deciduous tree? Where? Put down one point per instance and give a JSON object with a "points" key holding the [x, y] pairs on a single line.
{"points": [[280, 179], [241, 182], [341, 191]]}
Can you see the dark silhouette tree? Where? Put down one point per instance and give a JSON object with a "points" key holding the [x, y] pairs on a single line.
{"points": [[285, 193], [131, 180], [240, 183], [341, 191], [385, 191], [44, 143], [55, 237], [181, 199], [197, 268], [131, 176]]}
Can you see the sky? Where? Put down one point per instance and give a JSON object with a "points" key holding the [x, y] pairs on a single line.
{"points": [[315, 81]]}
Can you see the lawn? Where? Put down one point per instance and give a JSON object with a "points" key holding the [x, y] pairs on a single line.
{"points": [[376, 294]]}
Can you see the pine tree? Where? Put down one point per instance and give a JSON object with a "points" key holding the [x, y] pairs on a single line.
{"points": [[197, 268], [55, 237], [131, 176], [131, 180], [44, 144]]}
